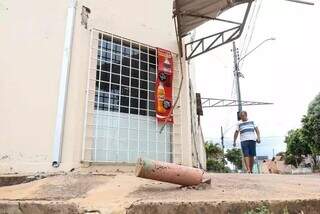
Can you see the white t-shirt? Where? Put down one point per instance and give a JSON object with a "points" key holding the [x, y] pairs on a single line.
{"points": [[247, 130]]}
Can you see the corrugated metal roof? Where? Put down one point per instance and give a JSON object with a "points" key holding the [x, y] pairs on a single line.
{"points": [[193, 12]]}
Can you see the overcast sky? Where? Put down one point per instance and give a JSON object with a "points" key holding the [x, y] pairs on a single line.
{"points": [[285, 72]]}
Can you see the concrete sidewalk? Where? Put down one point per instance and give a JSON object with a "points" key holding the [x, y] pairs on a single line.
{"points": [[98, 191]]}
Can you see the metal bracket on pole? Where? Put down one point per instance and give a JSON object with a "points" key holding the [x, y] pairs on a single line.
{"points": [[215, 103], [208, 43]]}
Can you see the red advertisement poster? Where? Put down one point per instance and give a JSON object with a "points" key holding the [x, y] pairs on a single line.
{"points": [[163, 90]]}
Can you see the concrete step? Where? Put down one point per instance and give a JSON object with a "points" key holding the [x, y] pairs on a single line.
{"points": [[25, 207], [242, 207]]}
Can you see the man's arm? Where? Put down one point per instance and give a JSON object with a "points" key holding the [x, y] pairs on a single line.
{"points": [[235, 136], [258, 134]]}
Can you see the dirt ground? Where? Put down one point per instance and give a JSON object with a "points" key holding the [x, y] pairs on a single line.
{"points": [[115, 192]]}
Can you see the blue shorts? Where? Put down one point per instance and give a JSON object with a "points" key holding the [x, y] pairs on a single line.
{"points": [[248, 148]]}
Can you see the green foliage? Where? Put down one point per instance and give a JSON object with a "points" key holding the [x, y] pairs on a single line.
{"points": [[292, 160], [263, 209], [235, 157], [296, 147], [286, 211], [217, 166], [296, 144], [213, 151], [305, 141], [314, 106], [311, 129], [215, 158]]}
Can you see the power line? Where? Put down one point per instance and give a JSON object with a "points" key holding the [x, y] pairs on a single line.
{"points": [[248, 25], [244, 51], [302, 2], [266, 137]]}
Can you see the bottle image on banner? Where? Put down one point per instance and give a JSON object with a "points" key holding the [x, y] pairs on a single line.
{"points": [[161, 97], [163, 89], [166, 65]]}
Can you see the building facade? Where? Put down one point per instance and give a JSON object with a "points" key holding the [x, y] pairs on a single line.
{"points": [[77, 84]]}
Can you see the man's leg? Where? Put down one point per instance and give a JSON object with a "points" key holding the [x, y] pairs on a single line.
{"points": [[245, 152], [247, 163], [252, 154], [251, 163]]}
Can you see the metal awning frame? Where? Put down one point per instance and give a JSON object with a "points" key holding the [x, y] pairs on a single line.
{"points": [[215, 103], [208, 43]]}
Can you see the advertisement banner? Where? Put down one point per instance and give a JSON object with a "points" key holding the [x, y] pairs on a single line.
{"points": [[163, 90]]}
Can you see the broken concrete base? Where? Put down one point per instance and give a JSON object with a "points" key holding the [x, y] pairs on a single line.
{"points": [[9, 180], [13, 180], [9, 207], [242, 207], [98, 191]]}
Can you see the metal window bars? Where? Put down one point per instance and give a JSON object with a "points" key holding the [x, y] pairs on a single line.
{"points": [[120, 123]]}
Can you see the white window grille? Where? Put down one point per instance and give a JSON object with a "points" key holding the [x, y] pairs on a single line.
{"points": [[120, 122]]}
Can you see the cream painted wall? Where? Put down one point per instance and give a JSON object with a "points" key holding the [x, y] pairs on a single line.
{"points": [[32, 35], [145, 21], [150, 27], [31, 42], [186, 119]]}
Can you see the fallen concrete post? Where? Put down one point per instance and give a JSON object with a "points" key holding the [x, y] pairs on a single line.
{"points": [[171, 173]]}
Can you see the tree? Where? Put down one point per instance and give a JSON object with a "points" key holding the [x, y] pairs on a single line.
{"points": [[296, 147], [311, 129], [305, 141], [217, 166], [213, 151], [215, 158], [235, 157], [314, 106], [292, 160], [296, 144]]}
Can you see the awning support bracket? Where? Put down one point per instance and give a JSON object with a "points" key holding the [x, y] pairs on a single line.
{"points": [[210, 18], [215, 103], [208, 43]]}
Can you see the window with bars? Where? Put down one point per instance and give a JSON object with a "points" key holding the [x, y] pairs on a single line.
{"points": [[121, 124], [125, 76], [120, 116]]}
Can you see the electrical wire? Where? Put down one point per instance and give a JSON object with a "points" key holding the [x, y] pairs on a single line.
{"points": [[249, 29], [193, 35], [248, 26], [181, 80], [194, 135], [245, 51]]}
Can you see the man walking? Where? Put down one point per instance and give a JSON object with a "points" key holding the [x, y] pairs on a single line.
{"points": [[249, 136]]}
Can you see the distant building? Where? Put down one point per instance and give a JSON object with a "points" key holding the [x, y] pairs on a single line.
{"points": [[275, 166], [262, 158]]}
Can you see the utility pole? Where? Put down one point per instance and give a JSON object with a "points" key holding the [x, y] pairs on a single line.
{"points": [[222, 139], [237, 75]]}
